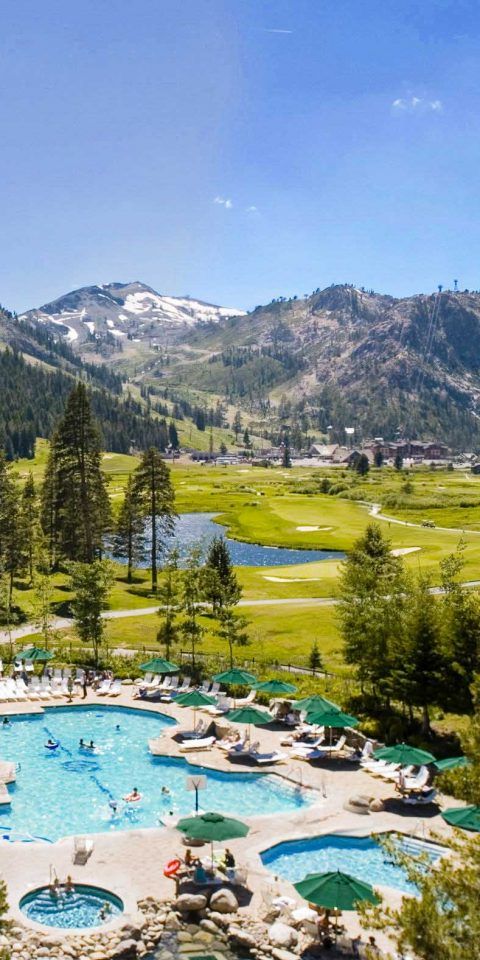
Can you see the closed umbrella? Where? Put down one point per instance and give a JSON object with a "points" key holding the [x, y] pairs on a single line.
{"points": [[405, 755], [251, 715], [468, 818], [451, 763], [212, 827], [195, 699], [274, 687], [159, 665]]}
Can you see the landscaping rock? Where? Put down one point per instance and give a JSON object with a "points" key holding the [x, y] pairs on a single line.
{"points": [[281, 935], [126, 950], [224, 901], [190, 901], [242, 937]]}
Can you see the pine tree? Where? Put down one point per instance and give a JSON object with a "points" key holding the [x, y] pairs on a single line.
{"points": [[75, 500], [173, 436], [169, 597], [12, 542], [220, 584], [153, 487], [237, 424], [129, 538], [191, 597], [233, 631], [91, 584], [286, 458], [315, 661], [30, 523]]}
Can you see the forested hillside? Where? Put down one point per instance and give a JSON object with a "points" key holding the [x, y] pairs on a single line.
{"points": [[32, 400]]}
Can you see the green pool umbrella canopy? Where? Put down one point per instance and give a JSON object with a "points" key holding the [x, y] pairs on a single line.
{"points": [[451, 763], [468, 818], [212, 826], [315, 702], [404, 754], [335, 891], [159, 665], [235, 677], [36, 655], [195, 699], [250, 715], [275, 687], [331, 718]]}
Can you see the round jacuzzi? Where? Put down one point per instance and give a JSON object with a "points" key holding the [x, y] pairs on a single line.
{"points": [[79, 906]]}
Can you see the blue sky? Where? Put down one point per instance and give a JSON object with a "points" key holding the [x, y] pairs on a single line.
{"points": [[238, 150]]}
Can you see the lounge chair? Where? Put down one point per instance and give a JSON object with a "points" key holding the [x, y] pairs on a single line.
{"points": [[104, 688], [115, 689], [303, 749], [204, 743], [419, 781], [200, 728], [215, 690], [205, 687], [245, 701], [424, 797], [234, 746], [264, 758], [185, 685], [82, 849], [218, 709], [246, 751]]}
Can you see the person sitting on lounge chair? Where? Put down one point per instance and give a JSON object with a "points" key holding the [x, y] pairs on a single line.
{"points": [[199, 874]]}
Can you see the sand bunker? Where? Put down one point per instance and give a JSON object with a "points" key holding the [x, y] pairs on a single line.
{"points": [[402, 551], [312, 529], [289, 579]]}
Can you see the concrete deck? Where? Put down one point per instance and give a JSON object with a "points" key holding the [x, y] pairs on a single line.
{"points": [[131, 862]]}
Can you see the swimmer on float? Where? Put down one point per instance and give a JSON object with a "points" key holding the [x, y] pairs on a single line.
{"points": [[133, 797], [52, 744]]}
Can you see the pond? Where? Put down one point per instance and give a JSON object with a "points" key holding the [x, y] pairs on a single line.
{"points": [[199, 529]]}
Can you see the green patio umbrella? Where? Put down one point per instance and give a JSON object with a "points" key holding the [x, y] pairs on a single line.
{"points": [[251, 715], [315, 702], [212, 827], [468, 818], [405, 755], [335, 891], [35, 654], [194, 699], [451, 763], [159, 665], [331, 718], [235, 677], [274, 687]]}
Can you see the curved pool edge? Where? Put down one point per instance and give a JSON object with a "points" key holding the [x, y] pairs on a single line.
{"points": [[130, 916]]}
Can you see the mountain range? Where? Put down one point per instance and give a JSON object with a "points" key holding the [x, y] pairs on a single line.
{"points": [[342, 356]]}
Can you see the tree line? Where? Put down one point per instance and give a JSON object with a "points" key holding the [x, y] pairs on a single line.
{"points": [[409, 645]]}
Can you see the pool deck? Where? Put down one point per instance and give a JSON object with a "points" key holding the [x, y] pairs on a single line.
{"points": [[130, 863]]}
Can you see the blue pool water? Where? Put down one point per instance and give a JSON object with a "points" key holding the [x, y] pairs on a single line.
{"points": [[362, 857], [69, 791], [198, 528], [84, 906]]}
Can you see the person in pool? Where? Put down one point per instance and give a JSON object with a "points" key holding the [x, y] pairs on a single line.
{"points": [[165, 791], [105, 910], [69, 885], [133, 796], [5, 722]]}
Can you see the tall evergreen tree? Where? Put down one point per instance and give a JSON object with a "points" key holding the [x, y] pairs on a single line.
{"points": [[173, 436], [129, 538], [169, 597], [75, 499], [220, 584], [233, 631], [12, 542], [191, 597], [153, 487], [91, 584], [30, 523]]}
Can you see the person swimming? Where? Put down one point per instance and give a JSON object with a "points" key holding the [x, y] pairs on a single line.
{"points": [[117, 728], [133, 797], [113, 804], [52, 744], [165, 791], [5, 722], [105, 910], [69, 885]]}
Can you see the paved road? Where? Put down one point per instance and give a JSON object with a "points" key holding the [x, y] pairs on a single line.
{"points": [[374, 511]]}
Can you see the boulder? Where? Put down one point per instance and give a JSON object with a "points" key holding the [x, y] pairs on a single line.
{"points": [[125, 950], [281, 935], [283, 954], [219, 919], [242, 937], [190, 901], [131, 932], [224, 901]]}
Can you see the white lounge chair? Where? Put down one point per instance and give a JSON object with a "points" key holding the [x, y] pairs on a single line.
{"points": [[104, 688], [265, 758], [82, 849], [185, 685], [424, 797], [115, 688], [203, 743], [303, 749], [245, 701], [234, 746], [221, 707], [419, 781], [205, 687]]}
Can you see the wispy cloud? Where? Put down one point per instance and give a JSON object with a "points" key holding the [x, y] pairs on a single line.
{"points": [[276, 30], [251, 209], [416, 105], [224, 202]]}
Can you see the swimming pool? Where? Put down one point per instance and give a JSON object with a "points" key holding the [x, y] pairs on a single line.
{"points": [[70, 790], [363, 857], [83, 906]]}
